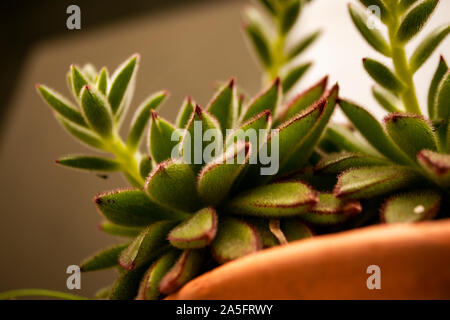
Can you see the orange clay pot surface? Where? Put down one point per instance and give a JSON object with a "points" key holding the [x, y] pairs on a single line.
{"points": [[414, 261]]}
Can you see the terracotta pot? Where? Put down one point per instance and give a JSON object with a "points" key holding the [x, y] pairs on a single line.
{"points": [[414, 261]]}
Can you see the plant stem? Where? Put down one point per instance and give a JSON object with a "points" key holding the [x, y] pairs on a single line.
{"points": [[39, 293], [401, 66], [279, 58]]}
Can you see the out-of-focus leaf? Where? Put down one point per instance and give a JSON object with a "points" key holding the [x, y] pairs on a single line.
{"points": [[235, 238], [223, 106], [141, 117], [383, 75], [443, 98], [410, 132], [82, 134], [132, 208], [341, 161], [373, 36], [187, 109], [411, 207], [149, 287], [295, 229], [415, 19], [437, 165], [61, 105], [127, 285], [145, 166], [363, 183], [196, 232], [146, 246], [260, 43], [267, 100], [270, 6], [427, 46], [120, 82], [173, 185], [345, 137], [104, 259], [404, 5], [90, 163], [289, 13], [294, 75], [331, 210], [97, 111], [372, 130], [102, 81], [164, 137], [437, 78], [121, 231], [218, 176], [276, 200], [261, 121], [303, 44], [387, 100], [79, 80]]}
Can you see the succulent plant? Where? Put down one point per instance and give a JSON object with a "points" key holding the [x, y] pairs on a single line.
{"points": [[405, 163]]}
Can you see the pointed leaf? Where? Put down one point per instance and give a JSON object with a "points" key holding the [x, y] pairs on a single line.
{"points": [[295, 229], [61, 105], [116, 230], [270, 6], [90, 163], [102, 81], [331, 210], [217, 177], [163, 138], [146, 246], [289, 14], [267, 100], [196, 232], [345, 137], [145, 166], [411, 207], [294, 75], [362, 183], [90, 71], [187, 109], [185, 268], [224, 106], [387, 100], [235, 238], [141, 117], [173, 185], [132, 208], [373, 36], [410, 132], [443, 98], [104, 259], [341, 161], [79, 80], [436, 165], [261, 226], [97, 112], [415, 19], [303, 44], [437, 78], [405, 4], [82, 134], [283, 199], [120, 81], [127, 285], [372, 130], [382, 75], [261, 121], [149, 287], [260, 42], [427, 46]]}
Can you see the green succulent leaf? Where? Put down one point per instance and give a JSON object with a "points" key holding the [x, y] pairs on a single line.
{"points": [[120, 82], [79, 80], [173, 185], [434, 86], [187, 109], [235, 238], [146, 246], [132, 208], [443, 98], [270, 6], [102, 81], [372, 130], [295, 229], [303, 44], [363, 183], [82, 134], [344, 137], [97, 112], [218, 176], [149, 287], [61, 105], [427, 46], [331, 210], [90, 71], [265, 234], [386, 99], [276, 200], [293, 75], [340, 161], [289, 14], [383, 75], [90, 163], [437, 165], [104, 259], [384, 11], [196, 232], [261, 121], [103, 293], [188, 265], [410, 132], [141, 117], [145, 166], [411, 207], [260, 42], [373, 36], [164, 137], [415, 19], [303, 100], [223, 106], [267, 100], [404, 5], [117, 230], [127, 285]]}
